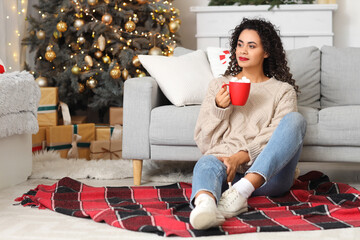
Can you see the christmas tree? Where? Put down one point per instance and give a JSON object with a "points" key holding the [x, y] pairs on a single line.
{"points": [[88, 48]]}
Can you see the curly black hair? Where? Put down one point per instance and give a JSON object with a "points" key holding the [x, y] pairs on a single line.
{"points": [[276, 64]]}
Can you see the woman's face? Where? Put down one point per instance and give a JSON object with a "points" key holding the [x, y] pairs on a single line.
{"points": [[249, 51]]}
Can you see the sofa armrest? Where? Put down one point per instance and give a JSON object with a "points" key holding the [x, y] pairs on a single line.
{"points": [[141, 95]]}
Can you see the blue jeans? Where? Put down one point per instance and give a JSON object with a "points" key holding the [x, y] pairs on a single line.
{"points": [[276, 162]]}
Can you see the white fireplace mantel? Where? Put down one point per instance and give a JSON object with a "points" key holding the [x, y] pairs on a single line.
{"points": [[300, 25]]}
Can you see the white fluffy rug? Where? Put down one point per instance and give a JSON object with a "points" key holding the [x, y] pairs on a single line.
{"points": [[49, 164]]}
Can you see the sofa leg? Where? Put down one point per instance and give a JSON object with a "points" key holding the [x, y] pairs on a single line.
{"points": [[137, 169]]}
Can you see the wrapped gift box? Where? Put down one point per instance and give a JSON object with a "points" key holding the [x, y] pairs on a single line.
{"points": [[116, 115], [60, 138], [106, 149], [39, 140], [47, 111], [75, 120], [108, 144], [103, 132]]}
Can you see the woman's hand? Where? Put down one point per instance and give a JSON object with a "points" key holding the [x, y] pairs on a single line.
{"points": [[222, 98], [233, 162]]}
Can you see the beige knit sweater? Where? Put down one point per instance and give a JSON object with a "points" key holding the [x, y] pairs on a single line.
{"points": [[223, 132]]}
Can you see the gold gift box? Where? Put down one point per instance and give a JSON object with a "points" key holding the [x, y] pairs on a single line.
{"points": [[59, 138], [39, 140], [75, 120], [47, 111], [103, 132], [116, 115], [106, 149]]}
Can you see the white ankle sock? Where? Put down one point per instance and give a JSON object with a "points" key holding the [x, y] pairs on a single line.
{"points": [[244, 187], [201, 197]]}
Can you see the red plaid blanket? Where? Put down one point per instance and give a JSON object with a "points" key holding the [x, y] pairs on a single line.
{"points": [[313, 203]]}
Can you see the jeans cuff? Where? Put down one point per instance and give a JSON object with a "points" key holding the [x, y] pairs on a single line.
{"points": [[261, 174]]}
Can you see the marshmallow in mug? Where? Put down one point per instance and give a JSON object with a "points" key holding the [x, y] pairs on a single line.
{"points": [[242, 80]]}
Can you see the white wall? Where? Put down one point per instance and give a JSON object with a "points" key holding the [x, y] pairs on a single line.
{"points": [[346, 22]]}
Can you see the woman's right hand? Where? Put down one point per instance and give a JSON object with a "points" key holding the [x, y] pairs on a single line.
{"points": [[222, 98]]}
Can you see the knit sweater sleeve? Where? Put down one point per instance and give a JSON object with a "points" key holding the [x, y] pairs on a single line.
{"points": [[287, 103], [212, 121]]}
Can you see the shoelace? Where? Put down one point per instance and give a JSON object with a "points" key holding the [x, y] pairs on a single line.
{"points": [[226, 193]]}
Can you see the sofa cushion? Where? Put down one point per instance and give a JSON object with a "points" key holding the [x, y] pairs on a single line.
{"points": [[339, 126], [171, 125], [304, 64], [310, 114], [340, 84]]}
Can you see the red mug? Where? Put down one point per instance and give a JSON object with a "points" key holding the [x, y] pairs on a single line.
{"points": [[239, 92]]}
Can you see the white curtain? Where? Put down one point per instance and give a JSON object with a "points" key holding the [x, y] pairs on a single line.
{"points": [[12, 31]]}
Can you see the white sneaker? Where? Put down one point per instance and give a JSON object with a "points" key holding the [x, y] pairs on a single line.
{"points": [[232, 203], [206, 215]]}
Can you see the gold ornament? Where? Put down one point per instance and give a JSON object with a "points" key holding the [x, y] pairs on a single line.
{"points": [[136, 61], [57, 34], [174, 26], [42, 81], [107, 19], [61, 26], [142, 1], [178, 21], [98, 54], [81, 88], [130, 26], [92, 2], [75, 70], [125, 74], [50, 55], [101, 42], [115, 73], [176, 12], [89, 61], [81, 40], [91, 83], [155, 51], [140, 73], [78, 23], [40, 34], [107, 1], [106, 59]]}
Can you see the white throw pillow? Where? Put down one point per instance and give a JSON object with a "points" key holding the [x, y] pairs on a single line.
{"points": [[184, 79], [219, 59]]}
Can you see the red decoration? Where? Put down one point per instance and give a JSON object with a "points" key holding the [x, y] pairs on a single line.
{"points": [[2, 69]]}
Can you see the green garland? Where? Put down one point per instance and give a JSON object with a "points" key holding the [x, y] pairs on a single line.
{"points": [[272, 3]]}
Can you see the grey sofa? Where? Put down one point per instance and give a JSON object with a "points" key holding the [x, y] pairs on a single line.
{"points": [[329, 81]]}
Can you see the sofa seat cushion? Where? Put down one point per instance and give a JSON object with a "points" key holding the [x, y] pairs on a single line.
{"points": [[310, 114], [171, 125], [339, 126]]}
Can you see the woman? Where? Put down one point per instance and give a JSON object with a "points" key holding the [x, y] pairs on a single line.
{"points": [[256, 146]]}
